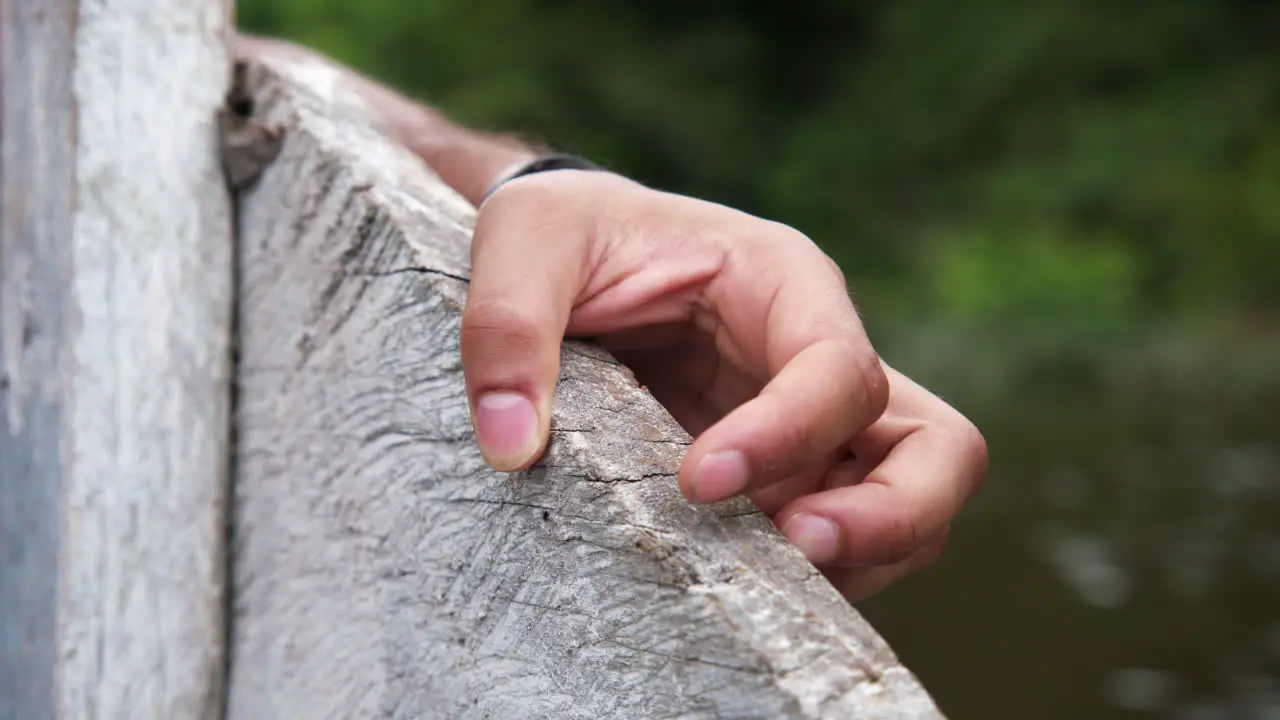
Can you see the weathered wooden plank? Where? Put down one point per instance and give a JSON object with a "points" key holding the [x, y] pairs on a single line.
{"points": [[381, 570], [115, 311], [37, 179]]}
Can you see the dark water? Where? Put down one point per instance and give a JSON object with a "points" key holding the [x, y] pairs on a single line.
{"points": [[1123, 561]]}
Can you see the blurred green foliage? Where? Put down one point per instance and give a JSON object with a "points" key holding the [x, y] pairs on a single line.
{"points": [[1085, 169]]}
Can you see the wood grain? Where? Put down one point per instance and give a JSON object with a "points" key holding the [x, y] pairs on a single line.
{"points": [[37, 178], [382, 571], [115, 332]]}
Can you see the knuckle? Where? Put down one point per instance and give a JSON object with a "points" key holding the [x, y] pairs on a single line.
{"points": [[568, 204], [794, 449], [867, 382], [499, 324], [836, 270], [932, 553], [964, 441], [540, 199], [973, 447], [772, 240], [783, 234], [873, 382], [978, 443], [900, 540], [890, 538]]}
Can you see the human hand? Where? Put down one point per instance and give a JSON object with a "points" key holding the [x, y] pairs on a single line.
{"points": [[743, 329]]}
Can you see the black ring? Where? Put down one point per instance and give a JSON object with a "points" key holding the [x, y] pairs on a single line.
{"points": [[556, 161]]}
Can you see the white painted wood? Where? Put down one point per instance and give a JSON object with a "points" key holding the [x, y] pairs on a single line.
{"points": [[117, 294], [382, 571]]}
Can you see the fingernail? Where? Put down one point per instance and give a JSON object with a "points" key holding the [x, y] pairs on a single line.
{"points": [[720, 475], [817, 537], [507, 429]]}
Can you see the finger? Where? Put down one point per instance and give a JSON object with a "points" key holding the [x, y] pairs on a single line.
{"points": [[527, 267], [857, 584], [791, 423], [772, 498], [827, 382], [837, 467], [794, 421], [912, 496]]}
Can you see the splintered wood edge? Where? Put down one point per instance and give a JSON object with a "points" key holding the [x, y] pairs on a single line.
{"points": [[821, 650]]}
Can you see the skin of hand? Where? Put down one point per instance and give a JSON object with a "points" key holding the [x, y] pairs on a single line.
{"points": [[741, 327]]}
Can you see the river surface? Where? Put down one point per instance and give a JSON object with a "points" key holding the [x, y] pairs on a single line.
{"points": [[1122, 562]]}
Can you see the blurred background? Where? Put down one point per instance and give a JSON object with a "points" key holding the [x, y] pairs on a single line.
{"points": [[1061, 215]]}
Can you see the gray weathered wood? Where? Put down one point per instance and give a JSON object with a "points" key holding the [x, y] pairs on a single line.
{"points": [[115, 311], [382, 571], [37, 178]]}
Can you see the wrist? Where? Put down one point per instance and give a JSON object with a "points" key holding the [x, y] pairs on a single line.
{"points": [[470, 162]]}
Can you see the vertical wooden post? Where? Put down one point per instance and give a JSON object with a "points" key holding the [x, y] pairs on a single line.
{"points": [[115, 364], [37, 149]]}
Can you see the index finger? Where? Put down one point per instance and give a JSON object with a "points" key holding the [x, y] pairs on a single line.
{"points": [[785, 313]]}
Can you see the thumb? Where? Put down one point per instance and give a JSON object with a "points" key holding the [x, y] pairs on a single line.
{"points": [[527, 256]]}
